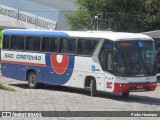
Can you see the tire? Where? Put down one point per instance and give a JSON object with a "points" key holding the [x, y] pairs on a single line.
{"points": [[125, 94], [32, 82], [93, 88]]}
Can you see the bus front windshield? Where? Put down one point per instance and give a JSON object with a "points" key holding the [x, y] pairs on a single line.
{"points": [[135, 58]]}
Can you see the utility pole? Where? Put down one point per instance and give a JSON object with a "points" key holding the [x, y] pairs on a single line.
{"points": [[36, 21], [102, 18], [17, 15], [97, 22]]}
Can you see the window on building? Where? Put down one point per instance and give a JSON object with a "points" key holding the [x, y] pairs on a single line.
{"points": [[41, 23], [31, 20], [22, 17], [12, 14], [3, 11], [50, 25]]}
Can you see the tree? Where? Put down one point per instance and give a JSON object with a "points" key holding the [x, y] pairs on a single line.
{"points": [[127, 15], [78, 20]]}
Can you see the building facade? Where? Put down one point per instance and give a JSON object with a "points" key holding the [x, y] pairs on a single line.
{"points": [[37, 14]]}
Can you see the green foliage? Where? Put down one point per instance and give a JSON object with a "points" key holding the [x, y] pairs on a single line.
{"points": [[6, 88], [127, 15], [78, 20]]}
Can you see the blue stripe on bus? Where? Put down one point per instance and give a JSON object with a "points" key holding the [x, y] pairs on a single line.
{"points": [[34, 32], [58, 79], [45, 74], [47, 59]]}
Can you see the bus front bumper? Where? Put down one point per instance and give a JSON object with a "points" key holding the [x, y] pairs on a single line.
{"points": [[138, 87]]}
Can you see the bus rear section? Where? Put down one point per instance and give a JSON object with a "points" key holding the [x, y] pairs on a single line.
{"points": [[130, 66]]}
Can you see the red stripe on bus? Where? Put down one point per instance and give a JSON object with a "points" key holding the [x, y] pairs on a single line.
{"points": [[125, 87], [23, 63]]}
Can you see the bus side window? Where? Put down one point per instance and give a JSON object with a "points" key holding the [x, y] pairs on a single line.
{"points": [[63, 45], [17, 42], [36, 44], [89, 46], [71, 46], [109, 59], [80, 46], [67, 45], [49, 44], [46, 44], [14, 42], [101, 59], [33, 43], [29, 43], [86, 46], [106, 60], [20, 40], [6, 42], [54, 44]]}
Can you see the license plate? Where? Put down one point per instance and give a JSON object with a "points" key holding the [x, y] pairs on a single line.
{"points": [[138, 88]]}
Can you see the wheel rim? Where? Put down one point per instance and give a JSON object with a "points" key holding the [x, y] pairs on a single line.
{"points": [[92, 88], [32, 80]]}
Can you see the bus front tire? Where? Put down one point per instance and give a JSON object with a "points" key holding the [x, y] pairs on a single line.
{"points": [[93, 88], [125, 94], [32, 82]]}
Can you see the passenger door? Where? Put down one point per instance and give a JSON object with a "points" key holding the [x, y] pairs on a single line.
{"points": [[107, 63]]}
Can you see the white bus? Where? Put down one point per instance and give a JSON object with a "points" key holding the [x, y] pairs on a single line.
{"points": [[101, 61]]}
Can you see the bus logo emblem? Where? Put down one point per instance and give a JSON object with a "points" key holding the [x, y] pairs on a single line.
{"points": [[59, 63]]}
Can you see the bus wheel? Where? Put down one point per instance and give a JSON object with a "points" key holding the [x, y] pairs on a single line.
{"points": [[32, 82], [125, 94], [93, 88]]}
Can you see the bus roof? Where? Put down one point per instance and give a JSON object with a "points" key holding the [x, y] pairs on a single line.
{"points": [[95, 34]]}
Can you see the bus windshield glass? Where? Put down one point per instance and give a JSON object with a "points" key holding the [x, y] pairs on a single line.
{"points": [[135, 58]]}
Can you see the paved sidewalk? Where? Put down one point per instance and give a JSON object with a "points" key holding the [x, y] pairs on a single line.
{"points": [[54, 98]]}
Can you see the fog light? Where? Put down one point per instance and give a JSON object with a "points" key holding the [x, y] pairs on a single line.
{"points": [[120, 85], [153, 84]]}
